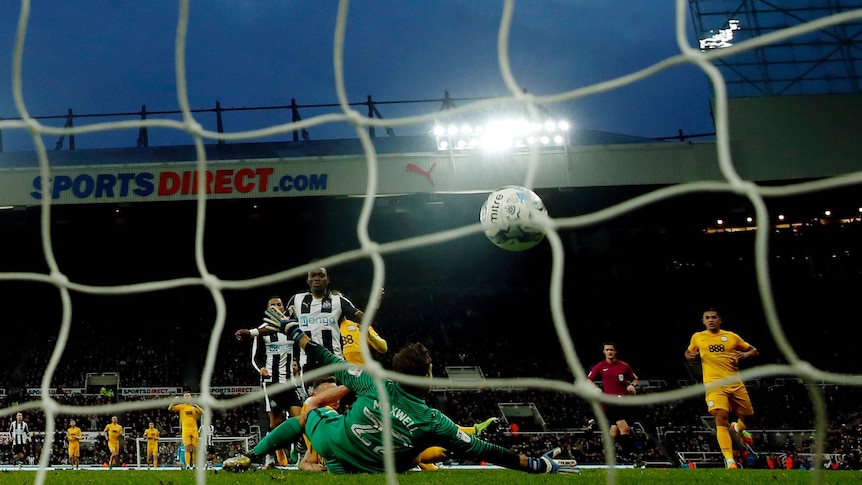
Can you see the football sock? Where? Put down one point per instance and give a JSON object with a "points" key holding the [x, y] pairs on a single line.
{"points": [[282, 435], [281, 457], [625, 442], [722, 433]]}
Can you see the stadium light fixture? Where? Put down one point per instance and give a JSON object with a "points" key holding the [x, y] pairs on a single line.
{"points": [[502, 134], [719, 39]]}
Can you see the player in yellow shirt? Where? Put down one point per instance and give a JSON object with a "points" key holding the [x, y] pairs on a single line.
{"points": [[351, 340], [152, 436], [189, 413], [73, 435], [720, 352], [113, 433]]}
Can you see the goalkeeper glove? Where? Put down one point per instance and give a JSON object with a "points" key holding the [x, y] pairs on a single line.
{"points": [[277, 320], [546, 464]]}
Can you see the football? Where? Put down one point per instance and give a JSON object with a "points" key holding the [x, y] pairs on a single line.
{"points": [[508, 215]]}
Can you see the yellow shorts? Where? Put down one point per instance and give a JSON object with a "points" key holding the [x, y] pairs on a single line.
{"points": [[732, 398], [190, 438], [74, 448], [114, 446]]}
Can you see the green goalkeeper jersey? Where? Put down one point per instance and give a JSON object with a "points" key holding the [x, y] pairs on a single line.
{"points": [[353, 442]]}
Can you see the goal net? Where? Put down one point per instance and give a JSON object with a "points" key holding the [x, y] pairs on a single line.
{"points": [[374, 253]]}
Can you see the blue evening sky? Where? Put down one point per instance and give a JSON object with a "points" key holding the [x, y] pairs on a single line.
{"points": [[113, 56]]}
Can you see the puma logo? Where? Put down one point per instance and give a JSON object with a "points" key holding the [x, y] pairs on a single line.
{"points": [[427, 173]]}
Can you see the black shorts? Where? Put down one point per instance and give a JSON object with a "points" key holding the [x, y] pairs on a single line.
{"points": [[618, 413], [283, 401], [20, 449]]}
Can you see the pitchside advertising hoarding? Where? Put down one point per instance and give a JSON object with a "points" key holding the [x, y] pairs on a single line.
{"points": [[113, 181], [169, 183], [145, 391], [234, 179], [166, 182]]}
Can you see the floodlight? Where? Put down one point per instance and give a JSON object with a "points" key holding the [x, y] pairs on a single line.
{"points": [[501, 133]]}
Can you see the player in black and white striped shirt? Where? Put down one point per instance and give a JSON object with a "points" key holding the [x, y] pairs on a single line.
{"points": [[272, 356], [208, 438], [320, 311], [19, 432]]}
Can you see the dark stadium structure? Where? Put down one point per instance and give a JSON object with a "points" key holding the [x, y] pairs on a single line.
{"points": [[640, 279]]}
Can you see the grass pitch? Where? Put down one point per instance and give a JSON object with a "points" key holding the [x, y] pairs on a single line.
{"points": [[647, 476]]}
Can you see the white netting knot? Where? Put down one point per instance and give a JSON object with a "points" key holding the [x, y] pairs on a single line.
{"points": [[59, 279]]}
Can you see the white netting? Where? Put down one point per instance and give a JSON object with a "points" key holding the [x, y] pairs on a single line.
{"points": [[373, 251]]}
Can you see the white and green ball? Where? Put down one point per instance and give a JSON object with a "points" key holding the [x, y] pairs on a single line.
{"points": [[509, 215]]}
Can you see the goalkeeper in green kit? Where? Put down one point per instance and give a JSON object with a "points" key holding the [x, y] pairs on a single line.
{"points": [[353, 442]]}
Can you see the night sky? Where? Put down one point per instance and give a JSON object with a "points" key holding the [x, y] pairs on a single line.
{"points": [[106, 56]]}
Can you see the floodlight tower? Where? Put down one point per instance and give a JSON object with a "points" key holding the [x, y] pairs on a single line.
{"points": [[828, 60]]}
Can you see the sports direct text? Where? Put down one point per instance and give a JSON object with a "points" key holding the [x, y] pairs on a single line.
{"points": [[170, 184]]}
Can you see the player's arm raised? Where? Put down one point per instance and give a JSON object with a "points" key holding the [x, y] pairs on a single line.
{"points": [[250, 333], [377, 342]]}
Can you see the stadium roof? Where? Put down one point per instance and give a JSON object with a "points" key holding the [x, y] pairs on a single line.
{"points": [[269, 150], [772, 140]]}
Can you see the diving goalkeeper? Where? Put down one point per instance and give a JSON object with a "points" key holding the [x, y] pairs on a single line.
{"points": [[353, 442]]}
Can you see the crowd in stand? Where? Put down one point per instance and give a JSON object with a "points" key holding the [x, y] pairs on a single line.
{"points": [[455, 339]]}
